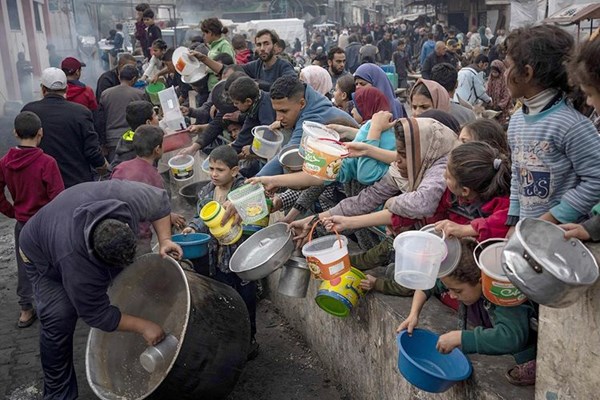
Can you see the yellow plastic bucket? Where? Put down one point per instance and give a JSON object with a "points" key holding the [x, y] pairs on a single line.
{"points": [[212, 214], [338, 296], [323, 158]]}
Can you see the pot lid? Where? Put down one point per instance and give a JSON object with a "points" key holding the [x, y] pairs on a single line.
{"points": [[263, 245], [452, 259], [567, 260]]}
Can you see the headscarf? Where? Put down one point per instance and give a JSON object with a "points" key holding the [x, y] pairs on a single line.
{"points": [[497, 88], [318, 78], [439, 95], [368, 101], [488, 33], [444, 118], [426, 140], [484, 40], [373, 74]]}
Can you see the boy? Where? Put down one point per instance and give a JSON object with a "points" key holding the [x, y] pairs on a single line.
{"points": [[401, 60], [33, 179], [498, 330], [153, 32], [223, 163], [137, 113], [156, 67], [147, 144]]}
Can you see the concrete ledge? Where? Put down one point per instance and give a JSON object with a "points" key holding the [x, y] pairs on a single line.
{"points": [[361, 350]]}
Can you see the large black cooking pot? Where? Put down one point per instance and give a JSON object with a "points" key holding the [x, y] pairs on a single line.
{"points": [[209, 320]]}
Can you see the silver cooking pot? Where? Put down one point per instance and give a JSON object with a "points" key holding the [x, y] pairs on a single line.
{"points": [[295, 278], [263, 252], [546, 267]]}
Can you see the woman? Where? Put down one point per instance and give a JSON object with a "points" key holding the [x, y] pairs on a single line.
{"points": [[318, 78], [372, 75], [427, 95], [496, 88], [213, 31]]}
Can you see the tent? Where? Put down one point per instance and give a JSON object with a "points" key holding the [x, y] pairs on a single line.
{"points": [[288, 29], [575, 14]]}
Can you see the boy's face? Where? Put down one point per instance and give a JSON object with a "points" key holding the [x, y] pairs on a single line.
{"points": [[401, 47], [220, 173], [462, 291], [158, 153], [243, 106], [148, 21], [592, 95], [154, 120], [158, 52], [234, 130], [339, 96], [288, 110]]}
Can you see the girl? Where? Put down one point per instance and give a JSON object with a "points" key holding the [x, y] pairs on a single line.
{"points": [[213, 31], [342, 96], [498, 330], [318, 78], [496, 88], [372, 75], [554, 149], [485, 130], [426, 95], [585, 71]]}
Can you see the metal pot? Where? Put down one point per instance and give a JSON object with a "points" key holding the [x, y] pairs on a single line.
{"points": [[208, 319], [546, 267], [290, 158], [263, 252], [295, 278], [190, 191]]}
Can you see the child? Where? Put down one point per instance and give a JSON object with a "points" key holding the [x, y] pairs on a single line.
{"points": [[147, 144], [498, 330], [426, 95], [33, 179], [401, 60], [342, 96], [242, 54], [585, 71], [223, 164], [153, 32], [555, 174], [156, 67], [137, 113], [485, 130]]}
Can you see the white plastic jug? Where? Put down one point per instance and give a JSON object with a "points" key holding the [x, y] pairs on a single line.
{"points": [[418, 259]]}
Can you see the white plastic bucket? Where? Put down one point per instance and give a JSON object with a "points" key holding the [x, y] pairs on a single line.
{"points": [[323, 158], [182, 167], [327, 257], [315, 130], [250, 202], [418, 259], [266, 142]]}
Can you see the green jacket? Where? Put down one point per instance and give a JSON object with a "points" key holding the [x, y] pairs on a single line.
{"points": [[380, 256], [217, 47]]}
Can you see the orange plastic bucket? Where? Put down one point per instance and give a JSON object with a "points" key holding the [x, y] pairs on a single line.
{"points": [[323, 158], [496, 287], [327, 257]]}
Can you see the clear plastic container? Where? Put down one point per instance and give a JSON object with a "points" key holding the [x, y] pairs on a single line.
{"points": [[315, 130], [250, 202], [418, 259], [266, 143], [169, 102]]}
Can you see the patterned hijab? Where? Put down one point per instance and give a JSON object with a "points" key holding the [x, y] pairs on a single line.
{"points": [[318, 78]]}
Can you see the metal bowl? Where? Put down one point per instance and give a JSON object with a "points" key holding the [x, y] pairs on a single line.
{"points": [[290, 158], [262, 253], [190, 191]]}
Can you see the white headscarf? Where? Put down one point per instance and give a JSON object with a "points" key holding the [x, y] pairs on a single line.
{"points": [[318, 78]]}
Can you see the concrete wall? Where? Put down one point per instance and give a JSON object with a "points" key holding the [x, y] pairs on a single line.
{"points": [[568, 365], [361, 350]]}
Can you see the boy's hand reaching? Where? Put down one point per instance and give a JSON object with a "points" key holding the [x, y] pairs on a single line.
{"points": [[409, 324], [152, 333], [449, 341], [187, 229], [576, 231], [177, 221], [369, 283]]}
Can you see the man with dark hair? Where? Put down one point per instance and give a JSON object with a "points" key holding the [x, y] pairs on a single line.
{"points": [[438, 56], [137, 113], [69, 134], [295, 102], [336, 63], [140, 27], [73, 248], [446, 75], [266, 69], [385, 48], [470, 82], [77, 91], [368, 52], [279, 49], [112, 121], [352, 54], [427, 48], [401, 58], [111, 78], [153, 32]]}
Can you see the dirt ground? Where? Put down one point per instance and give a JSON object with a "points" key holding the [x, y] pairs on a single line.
{"points": [[284, 369]]}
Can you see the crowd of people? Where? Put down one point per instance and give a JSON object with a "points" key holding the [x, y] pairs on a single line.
{"points": [[434, 159]]}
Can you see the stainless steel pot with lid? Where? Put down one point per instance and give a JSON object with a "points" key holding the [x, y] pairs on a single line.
{"points": [[546, 267]]}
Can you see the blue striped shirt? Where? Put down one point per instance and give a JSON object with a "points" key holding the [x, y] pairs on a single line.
{"points": [[555, 164]]}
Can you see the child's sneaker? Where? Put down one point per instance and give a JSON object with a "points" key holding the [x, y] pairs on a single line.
{"points": [[522, 374]]}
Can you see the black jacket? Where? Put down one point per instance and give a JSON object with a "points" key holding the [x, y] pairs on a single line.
{"points": [[69, 137], [106, 81]]}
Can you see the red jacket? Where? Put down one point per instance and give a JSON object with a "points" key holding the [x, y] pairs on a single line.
{"points": [[488, 219], [32, 178], [243, 57], [77, 92]]}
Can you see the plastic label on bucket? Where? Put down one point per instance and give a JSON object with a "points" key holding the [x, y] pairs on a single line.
{"points": [[336, 268], [256, 144]]}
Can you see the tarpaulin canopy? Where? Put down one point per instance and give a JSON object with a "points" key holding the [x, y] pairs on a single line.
{"points": [[575, 13]]}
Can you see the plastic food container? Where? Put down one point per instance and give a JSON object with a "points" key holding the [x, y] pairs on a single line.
{"points": [[194, 245], [250, 202], [315, 130], [323, 158], [182, 167], [266, 142], [418, 259]]}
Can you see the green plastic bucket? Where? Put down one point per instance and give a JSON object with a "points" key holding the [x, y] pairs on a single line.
{"points": [[152, 89]]}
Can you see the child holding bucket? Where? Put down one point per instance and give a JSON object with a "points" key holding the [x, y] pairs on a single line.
{"points": [[225, 177], [498, 330]]}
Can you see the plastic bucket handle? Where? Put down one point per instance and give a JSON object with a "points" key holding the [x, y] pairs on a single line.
{"points": [[336, 142], [480, 246], [310, 234]]}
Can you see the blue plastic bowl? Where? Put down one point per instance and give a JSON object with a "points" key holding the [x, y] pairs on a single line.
{"points": [[425, 367], [194, 245]]}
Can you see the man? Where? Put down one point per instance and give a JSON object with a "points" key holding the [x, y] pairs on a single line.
{"points": [[343, 39], [295, 102], [319, 42], [385, 48], [279, 49], [402, 65], [73, 248], [446, 75], [77, 91], [427, 49], [113, 103], [336, 63], [69, 134], [111, 78], [24, 71], [470, 82], [453, 50], [352, 54], [368, 52], [53, 58], [438, 56], [140, 27], [266, 69]]}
